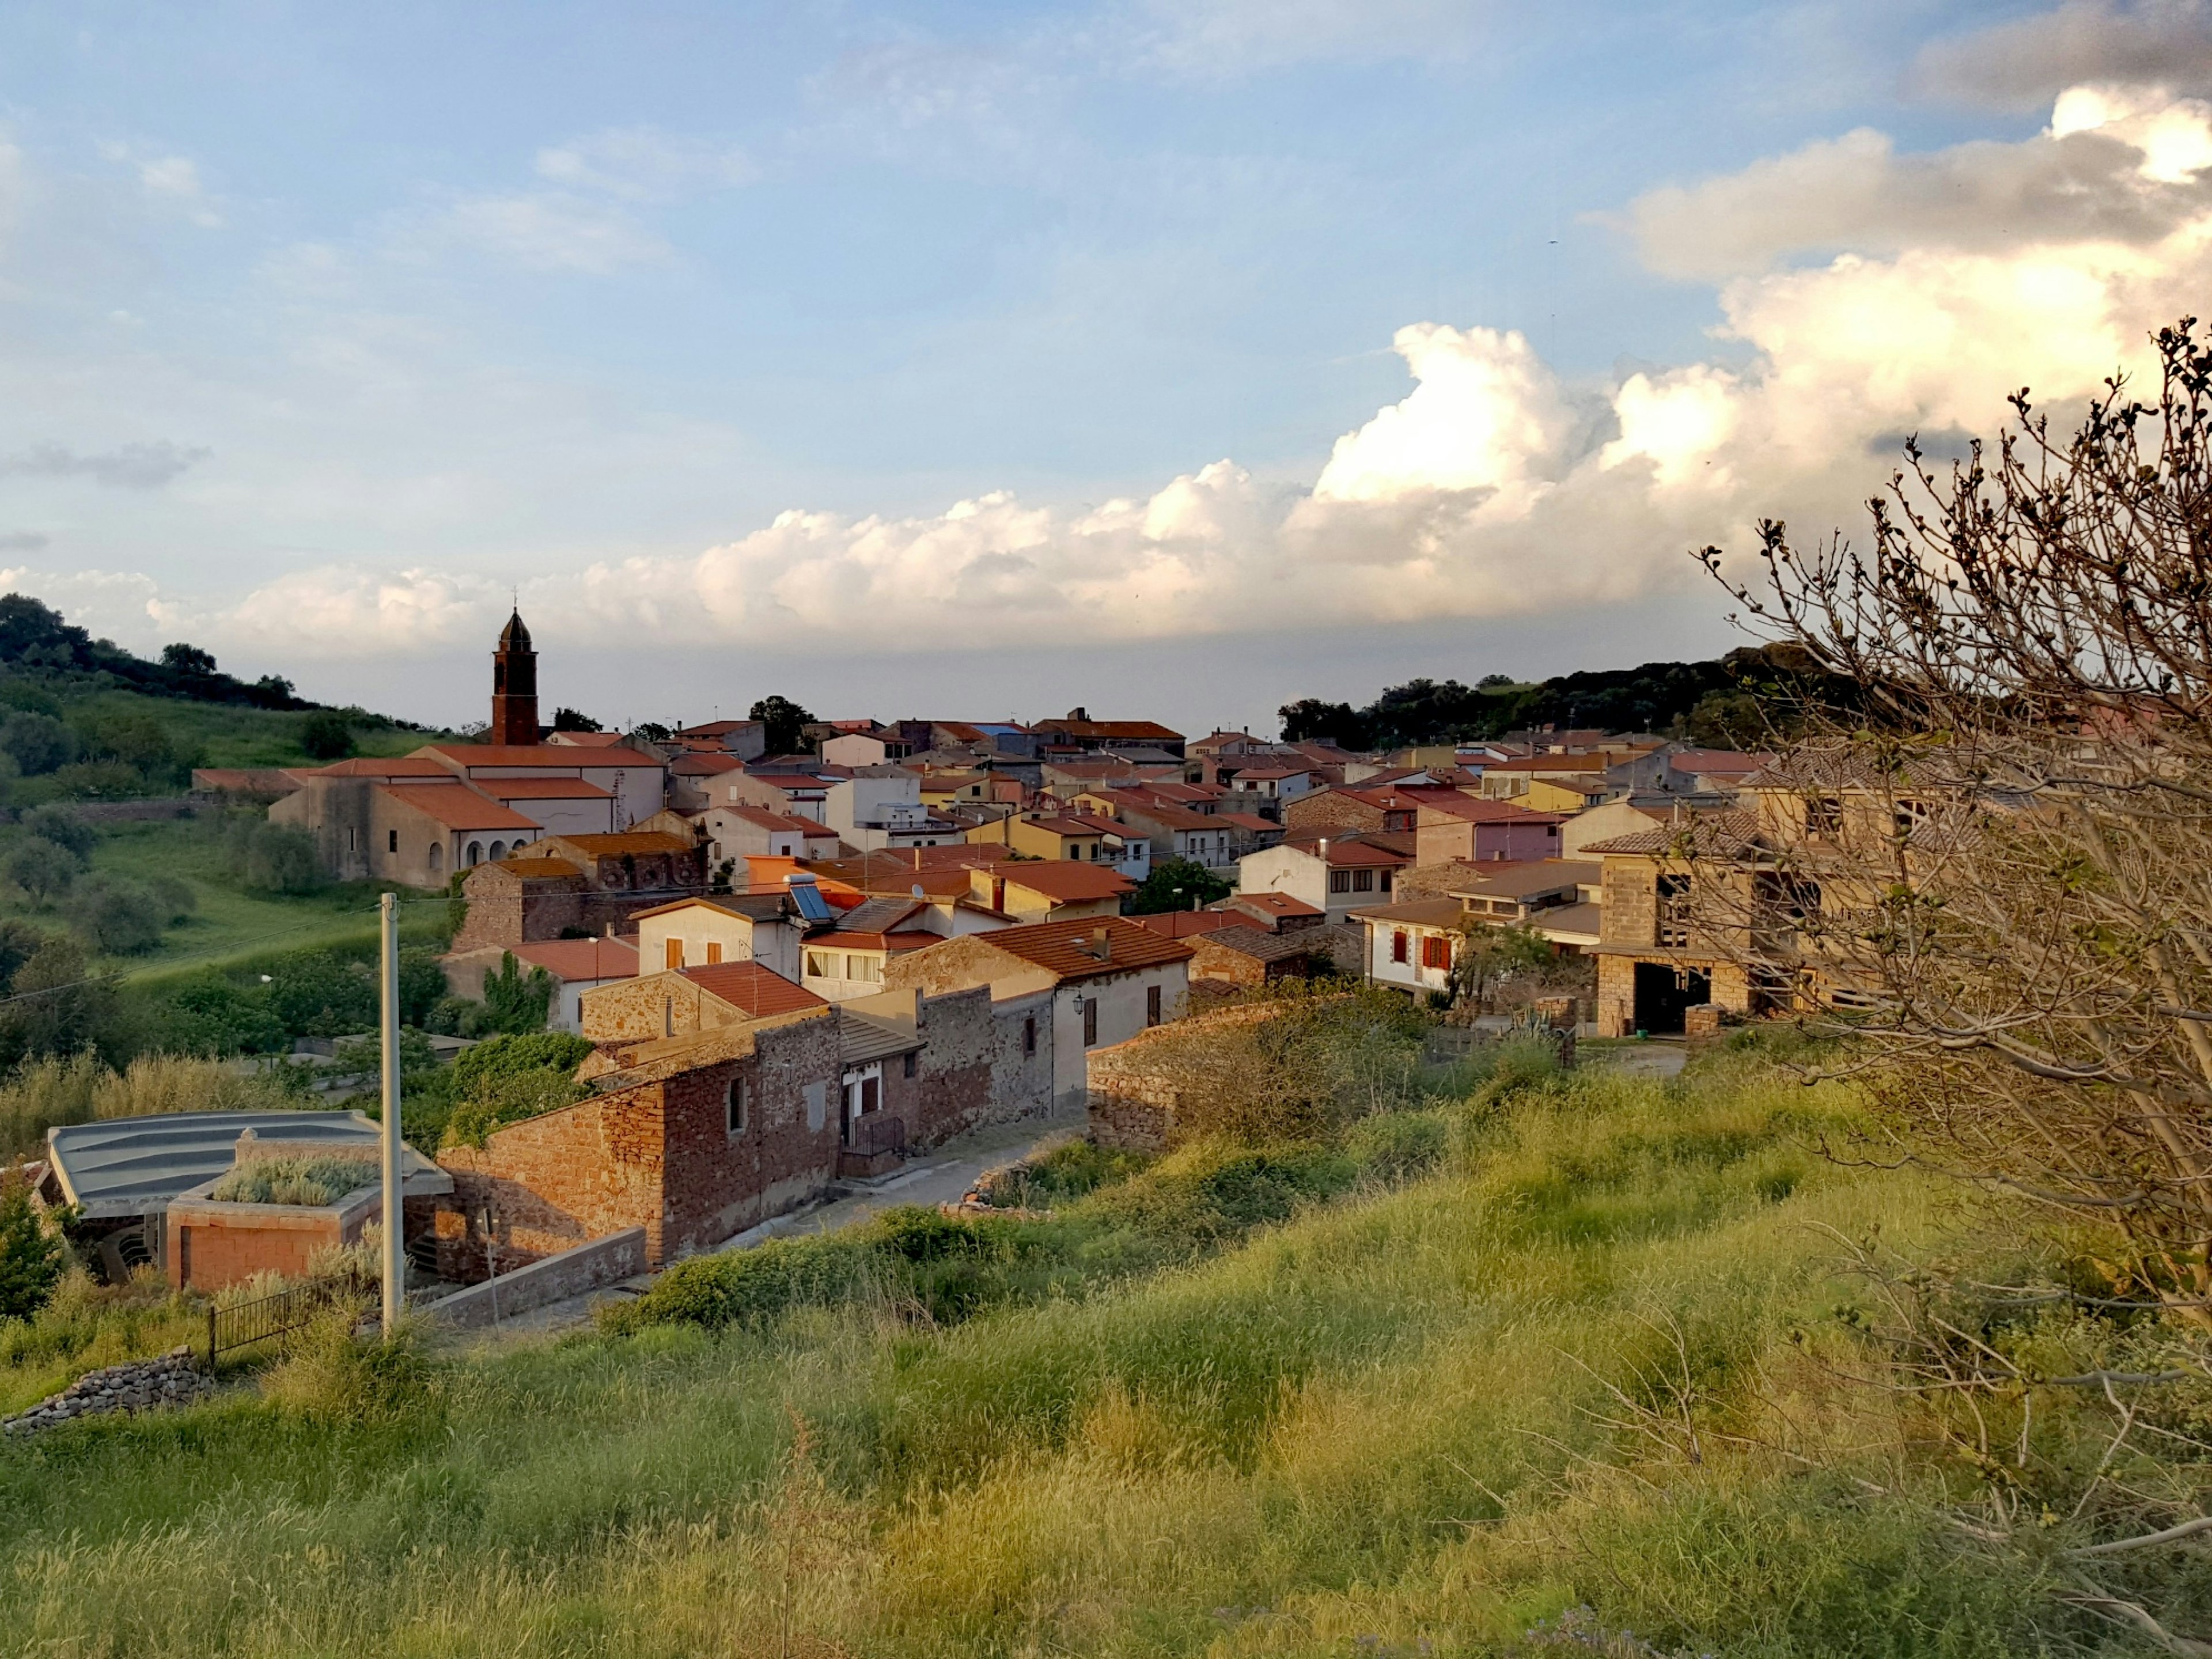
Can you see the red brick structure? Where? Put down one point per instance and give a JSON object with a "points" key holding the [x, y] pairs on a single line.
{"points": [[695, 1137], [513, 686]]}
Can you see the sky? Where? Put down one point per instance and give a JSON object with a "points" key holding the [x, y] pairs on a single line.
{"points": [[1175, 358]]}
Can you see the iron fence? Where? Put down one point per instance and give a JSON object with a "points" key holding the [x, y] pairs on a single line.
{"points": [[877, 1133], [244, 1323]]}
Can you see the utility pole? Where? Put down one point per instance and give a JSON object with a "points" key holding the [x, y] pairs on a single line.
{"points": [[394, 1204]]}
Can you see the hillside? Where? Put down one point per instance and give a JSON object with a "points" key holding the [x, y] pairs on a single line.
{"points": [[1547, 1364]]}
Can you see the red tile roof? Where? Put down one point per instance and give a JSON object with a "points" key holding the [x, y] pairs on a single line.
{"points": [[704, 766], [540, 869], [1064, 881], [540, 789], [573, 959], [1183, 924], [535, 754], [587, 740], [1275, 904], [757, 990], [457, 807], [906, 939], [397, 766], [762, 818], [1344, 853], [1063, 948]]}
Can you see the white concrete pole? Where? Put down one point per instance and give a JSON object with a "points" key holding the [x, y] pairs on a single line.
{"points": [[394, 1203]]}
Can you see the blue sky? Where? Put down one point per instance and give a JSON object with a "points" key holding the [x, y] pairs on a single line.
{"points": [[327, 327]]}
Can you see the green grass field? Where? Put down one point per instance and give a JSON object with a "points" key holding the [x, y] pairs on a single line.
{"points": [[1592, 1384], [231, 927]]}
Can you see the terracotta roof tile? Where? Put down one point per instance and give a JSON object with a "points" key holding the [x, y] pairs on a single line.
{"points": [[457, 807], [1062, 949], [1065, 881], [756, 990], [535, 754], [574, 959], [540, 789]]}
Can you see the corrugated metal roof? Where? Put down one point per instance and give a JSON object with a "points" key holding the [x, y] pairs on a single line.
{"points": [[127, 1166]]}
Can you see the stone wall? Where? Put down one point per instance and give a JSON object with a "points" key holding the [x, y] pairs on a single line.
{"points": [[1134, 1099], [570, 1273], [135, 1385], [1326, 809], [976, 1066]]}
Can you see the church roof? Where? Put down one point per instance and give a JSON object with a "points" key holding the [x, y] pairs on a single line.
{"points": [[515, 636]]}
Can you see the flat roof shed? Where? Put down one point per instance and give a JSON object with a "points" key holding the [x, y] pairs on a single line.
{"points": [[132, 1166]]}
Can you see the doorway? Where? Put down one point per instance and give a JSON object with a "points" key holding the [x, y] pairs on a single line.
{"points": [[1664, 993]]}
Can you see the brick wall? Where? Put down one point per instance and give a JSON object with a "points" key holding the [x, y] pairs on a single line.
{"points": [[211, 1244], [657, 1155]]}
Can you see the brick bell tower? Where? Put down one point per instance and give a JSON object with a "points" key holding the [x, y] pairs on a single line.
{"points": [[513, 686]]}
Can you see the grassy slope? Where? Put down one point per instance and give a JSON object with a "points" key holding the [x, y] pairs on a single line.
{"points": [[1367, 1431], [231, 925]]}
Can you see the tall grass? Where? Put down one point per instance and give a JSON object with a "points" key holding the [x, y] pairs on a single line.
{"points": [[79, 1088], [1577, 1350]]}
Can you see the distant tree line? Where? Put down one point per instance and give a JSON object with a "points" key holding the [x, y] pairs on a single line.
{"points": [[1743, 699]]}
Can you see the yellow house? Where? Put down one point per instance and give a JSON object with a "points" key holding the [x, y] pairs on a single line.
{"points": [[1568, 794], [1055, 838]]}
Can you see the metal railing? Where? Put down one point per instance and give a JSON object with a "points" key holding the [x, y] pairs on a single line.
{"points": [[875, 1133], [266, 1317]]}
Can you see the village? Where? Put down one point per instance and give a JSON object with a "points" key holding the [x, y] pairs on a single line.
{"points": [[797, 971]]}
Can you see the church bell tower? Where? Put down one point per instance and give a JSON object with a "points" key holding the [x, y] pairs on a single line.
{"points": [[513, 686]]}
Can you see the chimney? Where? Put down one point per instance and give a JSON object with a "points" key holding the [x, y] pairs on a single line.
{"points": [[1102, 945]]}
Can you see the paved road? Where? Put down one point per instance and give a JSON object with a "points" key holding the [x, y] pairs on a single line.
{"points": [[941, 1177]]}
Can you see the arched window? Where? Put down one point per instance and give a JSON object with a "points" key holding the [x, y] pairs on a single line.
{"points": [[498, 851], [437, 858], [476, 854]]}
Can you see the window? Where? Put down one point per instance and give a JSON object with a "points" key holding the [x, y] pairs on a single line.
{"points": [[498, 851], [1029, 1035], [1090, 1021], [476, 854], [1151, 1005], [1398, 945], [736, 1105], [1435, 951], [437, 858], [869, 1095], [913, 1064], [822, 964], [1363, 881], [1824, 816], [1339, 881], [1388, 877], [869, 971], [391, 841], [674, 954], [1674, 919], [714, 952]]}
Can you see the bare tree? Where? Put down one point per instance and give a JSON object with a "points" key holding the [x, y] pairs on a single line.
{"points": [[1997, 873]]}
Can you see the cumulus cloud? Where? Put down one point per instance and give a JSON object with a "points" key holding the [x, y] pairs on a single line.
{"points": [[133, 466], [171, 181], [2023, 63], [2109, 168], [1492, 488]]}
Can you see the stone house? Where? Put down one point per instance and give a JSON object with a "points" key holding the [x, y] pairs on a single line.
{"points": [[679, 1002], [576, 886], [1659, 950], [1100, 982], [1247, 957]]}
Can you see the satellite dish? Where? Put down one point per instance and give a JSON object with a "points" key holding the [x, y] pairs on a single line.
{"points": [[918, 893]]}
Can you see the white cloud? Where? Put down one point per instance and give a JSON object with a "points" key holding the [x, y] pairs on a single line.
{"points": [[642, 164], [1487, 490], [171, 181], [554, 230], [133, 466]]}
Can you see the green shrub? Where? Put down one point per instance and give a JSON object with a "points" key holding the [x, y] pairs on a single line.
{"points": [[515, 1000], [752, 1287], [37, 743], [207, 1014], [496, 1101], [326, 735], [1064, 1172], [1398, 1145], [32, 1255], [41, 871], [116, 918], [305, 1181], [508, 1055], [100, 780], [62, 827], [279, 857], [318, 993]]}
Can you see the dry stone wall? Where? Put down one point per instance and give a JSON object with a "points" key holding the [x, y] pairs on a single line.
{"points": [[135, 1385]]}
